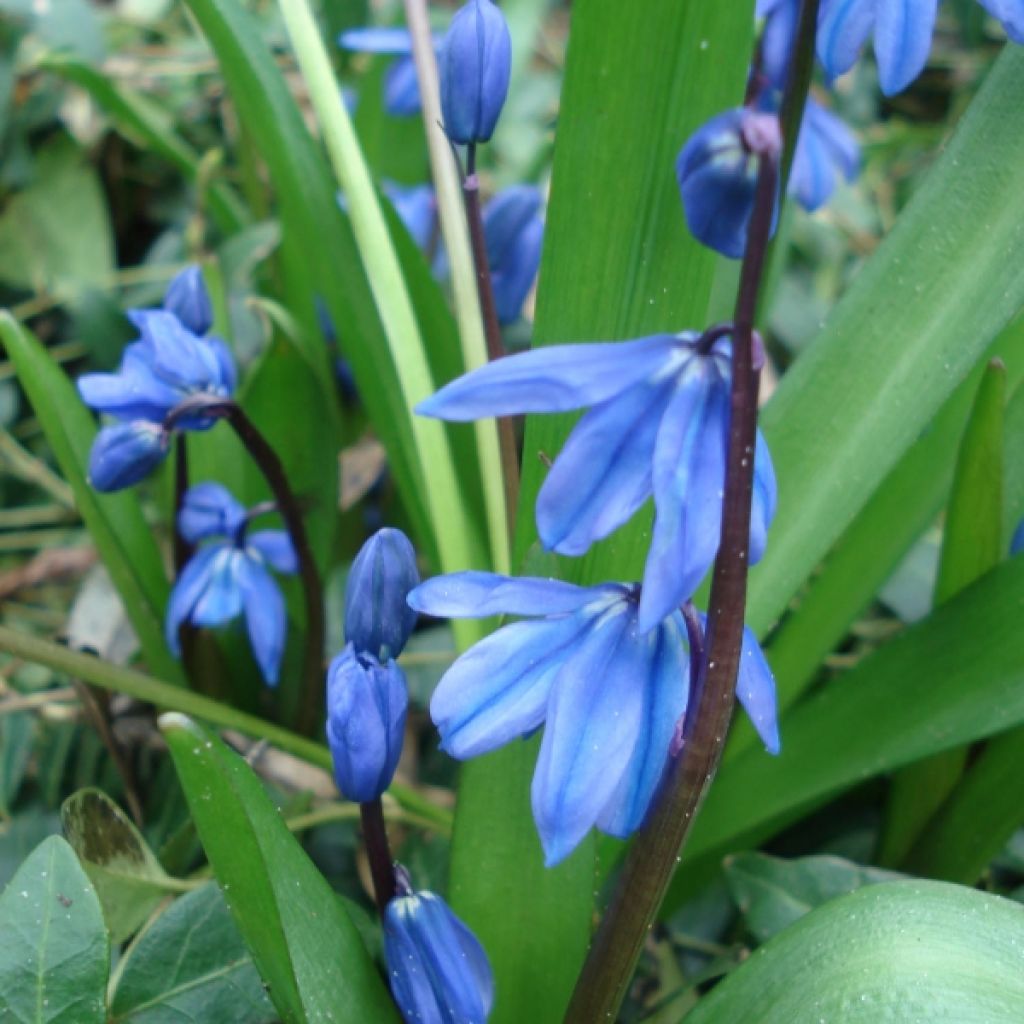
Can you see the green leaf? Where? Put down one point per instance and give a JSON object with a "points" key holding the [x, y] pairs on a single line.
{"points": [[772, 893], [54, 953], [618, 263], [972, 545], [38, 249], [190, 967], [956, 677], [301, 938], [115, 521], [128, 878], [17, 734], [906, 951], [149, 126]]}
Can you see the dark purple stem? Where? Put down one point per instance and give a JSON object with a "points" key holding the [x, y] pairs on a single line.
{"points": [[378, 852]]}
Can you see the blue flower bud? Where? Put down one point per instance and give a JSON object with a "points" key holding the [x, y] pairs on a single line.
{"points": [[438, 970], [717, 172], [187, 298], [378, 620], [1017, 544], [366, 705], [514, 233], [125, 453], [475, 66]]}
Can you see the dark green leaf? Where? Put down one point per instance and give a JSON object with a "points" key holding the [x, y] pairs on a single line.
{"points": [[191, 967], [54, 953], [17, 732], [305, 946]]}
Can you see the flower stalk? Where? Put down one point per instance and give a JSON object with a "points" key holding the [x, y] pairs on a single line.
{"points": [[378, 852]]}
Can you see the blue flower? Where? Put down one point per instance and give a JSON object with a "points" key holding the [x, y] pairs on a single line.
{"points": [[658, 424], [475, 65], [378, 619], [401, 86], [826, 153], [187, 298], [777, 39], [438, 970], [229, 577], [610, 696], [717, 171], [514, 233], [125, 453], [1017, 544], [167, 365], [366, 705], [416, 206]]}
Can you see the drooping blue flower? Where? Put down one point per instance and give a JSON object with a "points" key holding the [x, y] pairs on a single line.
{"points": [[514, 233], [475, 65], [229, 577], [416, 206], [439, 972], [167, 365], [608, 695], [378, 619], [827, 152], [658, 424], [401, 86], [366, 706], [1017, 544], [125, 453], [717, 172], [187, 298]]}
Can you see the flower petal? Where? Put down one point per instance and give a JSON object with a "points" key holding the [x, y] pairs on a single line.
{"points": [[209, 510], [265, 617], [1010, 14], [475, 595], [603, 474], [377, 40], [498, 690], [593, 723], [843, 28], [221, 600], [903, 38], [689, 479], [556, 378], [275, 548], [762, 510], [666, 690], [402, 89], [188, 588], [755, 689]]}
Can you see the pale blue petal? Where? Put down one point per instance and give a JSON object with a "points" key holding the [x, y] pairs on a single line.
{"points": [[755, 689], [134, 392], [275, 548], [843, 28], [188, 588], [476, 595], [762, 510], [603, 474], [402, 89], [666, 690], [689, 480], [1010, 13], [837, 138], [498, 690], [556, 378], [187, 298], [179, 357], [593, 724], [778, 38], [903, 37], [209, 510], [377, 40], [265, 617], [221, 600]]}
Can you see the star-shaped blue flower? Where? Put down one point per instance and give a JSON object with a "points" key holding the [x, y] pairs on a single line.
{"points": [[229, 576], [610, 697], [658, 423]]}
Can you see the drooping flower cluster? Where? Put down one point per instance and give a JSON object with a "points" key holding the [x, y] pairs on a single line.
{"points": [[171, 362], [229, 575]]}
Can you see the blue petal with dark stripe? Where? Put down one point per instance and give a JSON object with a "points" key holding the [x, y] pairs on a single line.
{"points": [[843, 29], [265, 618], [755, 690], [903, 37]]}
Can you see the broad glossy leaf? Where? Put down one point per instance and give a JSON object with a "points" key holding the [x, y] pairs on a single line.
{"points": [[115, 521], [618, 263], [772, 893], [128, 878], [191, 967], [301, 938], [906, 951], [54, 952]]}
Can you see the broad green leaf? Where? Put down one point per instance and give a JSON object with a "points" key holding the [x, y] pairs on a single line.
{"points": [[55, 236], [127, 877], [115, 522], [906, 951], [772, 893], [301, 938], [190, 967], [148, 125], [618, 263], [20, 835], [54, 952], [972, 545], [956, 677]]}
